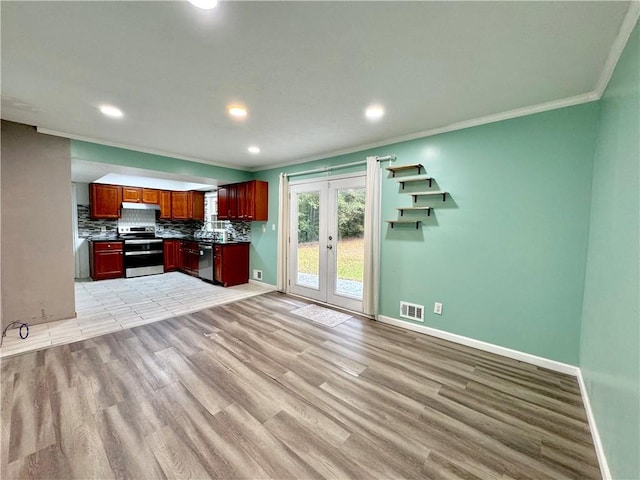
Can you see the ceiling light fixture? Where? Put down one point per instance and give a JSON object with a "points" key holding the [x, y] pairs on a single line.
{"points": [[204, 4], [111, 111], [253, 149], [237, 111], [374, 112]]}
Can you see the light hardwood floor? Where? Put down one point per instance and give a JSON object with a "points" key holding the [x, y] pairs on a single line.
{"points": [[248, 390]]}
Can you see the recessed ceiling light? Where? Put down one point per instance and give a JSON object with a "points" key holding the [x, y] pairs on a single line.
{"points": [[111, 111], [374, 112], [204, 4], [237, 111], [254, 149]]}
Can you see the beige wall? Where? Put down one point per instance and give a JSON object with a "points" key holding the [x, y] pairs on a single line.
{"points": [[36, 244]]}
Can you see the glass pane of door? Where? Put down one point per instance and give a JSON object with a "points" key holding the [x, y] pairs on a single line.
{"points": [[349, 254], [308, 268]]}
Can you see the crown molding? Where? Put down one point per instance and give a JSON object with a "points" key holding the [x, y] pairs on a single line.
{"points": [[150, 151], [498, 117], [626, 28]]}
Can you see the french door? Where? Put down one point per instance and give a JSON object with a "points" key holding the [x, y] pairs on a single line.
{"points": [[326, 248]]}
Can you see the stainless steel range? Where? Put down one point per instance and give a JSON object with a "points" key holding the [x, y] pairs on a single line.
{"points": [[143, 252]]}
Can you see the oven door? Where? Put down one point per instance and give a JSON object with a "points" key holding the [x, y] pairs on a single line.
{"points": [[143, 257]]}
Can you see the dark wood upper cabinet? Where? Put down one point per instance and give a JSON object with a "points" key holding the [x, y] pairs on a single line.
{"points": [[197, 205], [256, 201], [223, 203], [165, 204], [105, 200], [179, 205], [132, 194], [150, 195], [187, 205], [247, 201]]}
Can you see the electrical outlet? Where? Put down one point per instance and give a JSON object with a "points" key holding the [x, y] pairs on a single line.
{"points": [[264, 227], [273, 227], [437, 308], [257, 274]]}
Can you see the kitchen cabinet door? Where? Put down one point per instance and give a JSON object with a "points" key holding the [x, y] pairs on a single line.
{"points": [[223, 203], [179, 205], [228, 202], [231, 264], [171, 255], [105, 201], [255, 202], [241, 200], [247, 201], [149, 195], [132, 194], [190, 257], [197, 205], [165, 204], [106, 260]]}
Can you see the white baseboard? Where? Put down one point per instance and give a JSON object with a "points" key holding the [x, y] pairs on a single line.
{"points": [[524, 357], [487, 347], [262, 284], [597, 443]]}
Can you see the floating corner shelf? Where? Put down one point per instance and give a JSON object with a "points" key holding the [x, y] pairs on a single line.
{"points": [[404, 222], [400, 168]]}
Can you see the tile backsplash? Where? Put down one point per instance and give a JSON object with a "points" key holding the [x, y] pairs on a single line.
{"points": [[137, 218], [88, 227]]}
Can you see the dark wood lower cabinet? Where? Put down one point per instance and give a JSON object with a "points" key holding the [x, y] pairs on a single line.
{"points": [[231, 264], [171, 255], [190, 257], [106, 260]]}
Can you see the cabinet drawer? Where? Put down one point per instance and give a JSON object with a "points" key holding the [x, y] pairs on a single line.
{"points": [[107, 246]]}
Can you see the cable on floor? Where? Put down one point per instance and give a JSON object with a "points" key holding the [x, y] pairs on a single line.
{"points": [[22, 334]]}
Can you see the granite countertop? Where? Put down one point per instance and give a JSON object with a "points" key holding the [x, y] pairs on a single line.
{"points": [[98, 238]]}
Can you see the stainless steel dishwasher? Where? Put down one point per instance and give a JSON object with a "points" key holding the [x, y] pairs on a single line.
{"points": [[205, 265]]}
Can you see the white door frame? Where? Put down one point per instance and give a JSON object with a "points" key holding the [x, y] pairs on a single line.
{"points": [[326, 291]]}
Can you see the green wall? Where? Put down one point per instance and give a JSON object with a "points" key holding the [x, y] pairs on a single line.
{"points": [[93, 152], [506, 252], [610, 340]]}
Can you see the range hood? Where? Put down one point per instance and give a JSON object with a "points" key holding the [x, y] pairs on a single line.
{"points": [[140, 206]]}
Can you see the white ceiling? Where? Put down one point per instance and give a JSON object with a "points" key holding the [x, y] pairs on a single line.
{"points": [[305, 70]]}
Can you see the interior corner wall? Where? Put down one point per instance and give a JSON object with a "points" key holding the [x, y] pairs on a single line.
{"points": [[37, 246], [505, 253], [610, 337]]}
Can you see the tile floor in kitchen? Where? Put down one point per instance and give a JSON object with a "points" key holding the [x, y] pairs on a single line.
{"points": [[111, 305]]}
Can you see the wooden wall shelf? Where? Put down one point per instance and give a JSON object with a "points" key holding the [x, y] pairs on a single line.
{"points": [[404, 222], [400, 168]]}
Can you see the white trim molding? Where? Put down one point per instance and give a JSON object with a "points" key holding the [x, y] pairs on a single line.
{"points": [[626, 28], [262, 284], [487, 347], [595, 435], [150, 151]]}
